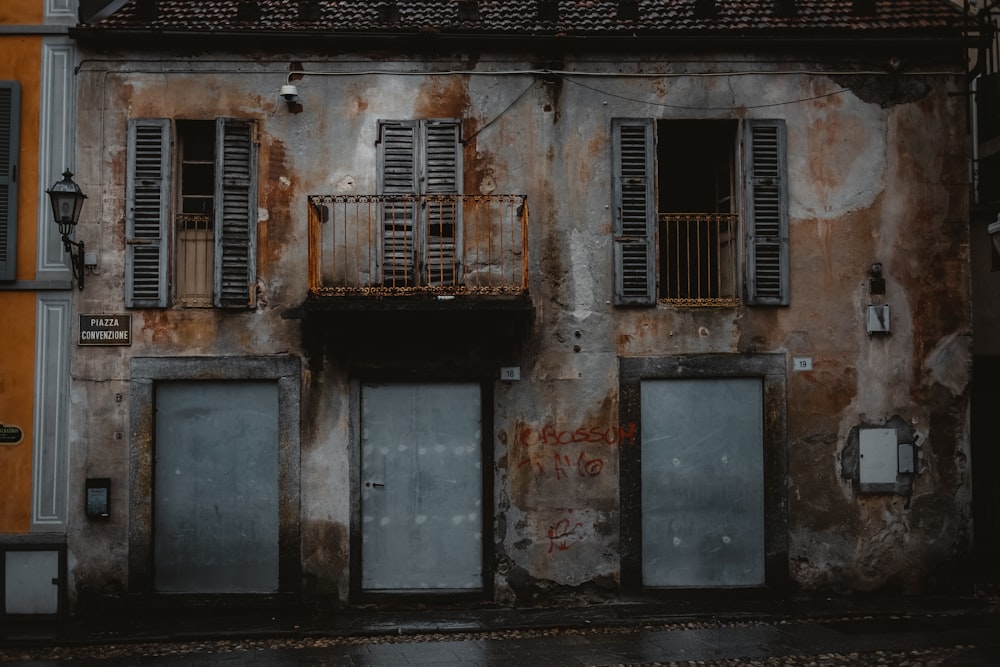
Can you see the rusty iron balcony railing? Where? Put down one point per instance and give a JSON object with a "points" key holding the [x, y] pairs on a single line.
{"points": [[402, 245], [698, 259]]}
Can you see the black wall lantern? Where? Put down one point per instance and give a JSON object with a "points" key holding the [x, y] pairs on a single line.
{"points": [[67, 201], [994, 231]]}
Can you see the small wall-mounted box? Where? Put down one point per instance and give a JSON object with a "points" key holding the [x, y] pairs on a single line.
{"points": [[907, 459], [879, 456], [882, 457], [98, 498], [885, 463], [877, 319]]}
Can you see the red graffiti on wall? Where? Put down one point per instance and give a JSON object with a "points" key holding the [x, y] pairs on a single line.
{"points": [[621, 435], [563, 466], [563, 535]]}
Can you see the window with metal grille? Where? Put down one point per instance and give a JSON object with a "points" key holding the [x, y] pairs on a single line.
{"points": [[194, 223], [210, 221], [687, 212], [696, 224]]}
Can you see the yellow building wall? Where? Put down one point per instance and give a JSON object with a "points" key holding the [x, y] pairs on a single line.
{"points": [[22, 12], [20, 60], [17, 365]]}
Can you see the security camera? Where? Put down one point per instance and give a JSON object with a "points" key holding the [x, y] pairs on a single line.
{"points": [[290, 93]]}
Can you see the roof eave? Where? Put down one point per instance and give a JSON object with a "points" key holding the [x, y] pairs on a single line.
{"points": [[434, 40]]}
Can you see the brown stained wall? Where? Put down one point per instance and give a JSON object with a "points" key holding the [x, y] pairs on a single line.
{"points": [[873, 177], [919, 373]]}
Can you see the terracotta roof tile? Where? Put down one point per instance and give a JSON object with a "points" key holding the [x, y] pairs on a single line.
{"points": [[527, 17]]}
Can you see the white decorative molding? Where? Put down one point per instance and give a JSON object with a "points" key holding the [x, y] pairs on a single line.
{"points": [[50, 470], [60, 10], [55, 148]]}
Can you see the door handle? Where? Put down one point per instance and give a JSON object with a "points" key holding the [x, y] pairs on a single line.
{"points": [[377, 485]]}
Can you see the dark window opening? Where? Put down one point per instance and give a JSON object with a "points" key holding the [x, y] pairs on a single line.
{"points": [[696, 212], [675, 212], [195, 225]]}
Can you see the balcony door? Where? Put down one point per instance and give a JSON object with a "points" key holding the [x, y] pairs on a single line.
{"points": [[420, 226]]}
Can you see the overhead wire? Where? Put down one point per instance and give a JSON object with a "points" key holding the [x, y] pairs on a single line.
{"points": [[705, 108]]}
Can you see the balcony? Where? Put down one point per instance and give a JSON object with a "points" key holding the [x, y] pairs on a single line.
{"points": [[418, 253]]}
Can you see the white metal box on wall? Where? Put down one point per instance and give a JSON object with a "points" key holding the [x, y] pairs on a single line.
{"points": [[33, 579]]}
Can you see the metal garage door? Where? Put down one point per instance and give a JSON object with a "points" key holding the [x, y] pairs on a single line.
{"points": [[702, 483], [215, 527]]}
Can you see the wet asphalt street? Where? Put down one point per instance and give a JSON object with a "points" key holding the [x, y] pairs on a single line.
{"points": [[948, 638]]}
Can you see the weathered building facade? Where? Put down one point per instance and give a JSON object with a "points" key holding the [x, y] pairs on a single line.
{"points": [[522, 301]]}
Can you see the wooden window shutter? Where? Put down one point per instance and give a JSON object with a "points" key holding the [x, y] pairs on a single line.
{"points": [[235, 213], [634, 210], [443, 157], [440, 223], [10, 120], [146, 213], [397, 143], [397, 165], [766, 193]]}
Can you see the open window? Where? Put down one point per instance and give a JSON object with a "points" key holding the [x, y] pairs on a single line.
{"points": [[195, 220], [694, 200], [191, 217], [696, 221]]}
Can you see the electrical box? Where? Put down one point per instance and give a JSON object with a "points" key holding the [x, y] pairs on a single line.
{"points": [[877, 319], [907, 458], [879, 456]]}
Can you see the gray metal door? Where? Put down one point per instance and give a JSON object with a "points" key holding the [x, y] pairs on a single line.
{"points": [[421, 487], [215, 512], [702, 483]]}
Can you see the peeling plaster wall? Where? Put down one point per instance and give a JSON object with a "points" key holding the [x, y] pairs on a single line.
{"points": [[875, 175]]}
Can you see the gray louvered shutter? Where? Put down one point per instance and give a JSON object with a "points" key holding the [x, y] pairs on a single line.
{"points": [[235, 213], [634, 211], [441, 221], [10, 121], [397, 155], [767, 213], [146, 213]]}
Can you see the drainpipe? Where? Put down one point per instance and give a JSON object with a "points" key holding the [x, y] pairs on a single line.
{"points": [[974, 166]]}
